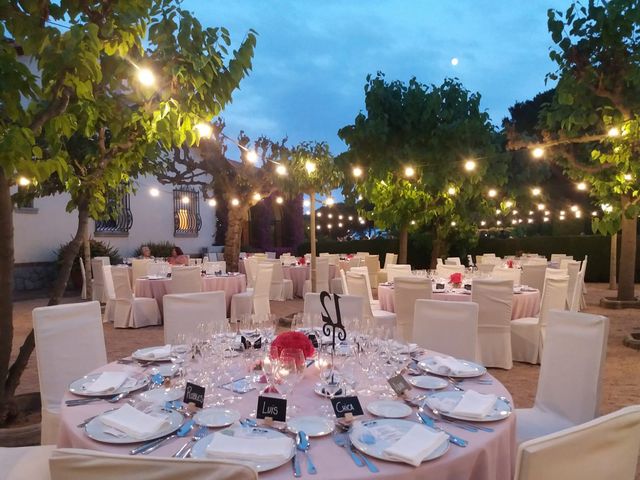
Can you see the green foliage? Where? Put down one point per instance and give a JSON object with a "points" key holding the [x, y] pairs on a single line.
{"points": [[98, 249], [322, 179], [158, 249]]}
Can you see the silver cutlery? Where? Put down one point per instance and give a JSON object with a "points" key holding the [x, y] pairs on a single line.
{"points": [[372, 468], [296, 465], [428, 421], [340, 439], [87, 420], [155, 444], [185, 450], [440, 417], [85, 401], [302, 444]]}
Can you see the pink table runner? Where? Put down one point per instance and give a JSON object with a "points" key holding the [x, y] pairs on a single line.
{"points": [[526, 304], [157, 289], [489, 456]]}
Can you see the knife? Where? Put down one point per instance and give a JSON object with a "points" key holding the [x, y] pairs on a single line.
{"points": [[428, 421], [296, 465], [154, 444]]}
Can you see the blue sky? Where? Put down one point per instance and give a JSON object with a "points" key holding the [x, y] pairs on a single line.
{"points": [[312, 58]]}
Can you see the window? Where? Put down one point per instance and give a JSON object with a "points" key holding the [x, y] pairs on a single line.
{"points": [[24, 202], [186, 212], [120, 218]]}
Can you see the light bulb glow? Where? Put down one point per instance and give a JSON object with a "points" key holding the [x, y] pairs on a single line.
{"points": [[538, 152], [340, 225], [594, 213], [146, 77], [470, 165], [319, 214], [578, 214], [357, 172], [409, 172], [613, 132], [529, 220], [212, 202], [499, 222], [279, 200], [310, 167], [541, 206], [154, 192], [574, 208], [329, 201], [508, 204], [413, 222], [350, 218], [329, 226], [235, 202], [306, 203], [545, 219], [281, 170], [483, 223], [628, 177], [455, 61], [252, 156], [257, 197], [515, 212], [581, 186], [23, 181], [205, 130], [535, 191], [330, 215], [185, 200], [451, 191], [493, 192], [498, 211], [453, 224]]}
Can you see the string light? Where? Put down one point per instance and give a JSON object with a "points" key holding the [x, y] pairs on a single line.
{"points": [[252, 156], [581, 186], [409, 172], [628, 177], [508, 204], [493, 192], [547, 213], [613, 132], [514, 221], [530, 212], [574, 208], [483, 223], [310, 167], [515, 212], [545, 219], [212, 202], [453, 224], [413, 222], [235, 202], [455, 61], [529, 220], [538, 152], [594, 213], [451, 191], [257, 197], [318, 227], [306, 203], [279, 200], [578, 214], [541, 206], [359, 198], [499, 222], [205, 130], [562, 212], [319, 214], [23, 181], [357, 172], [329, 226], [339, 224], [498, 211], [146, 77], [330, 215], [340, 217], [469, 165], [329, 201], [154, 192], [281, 170], [362, 221], [536, 191]]}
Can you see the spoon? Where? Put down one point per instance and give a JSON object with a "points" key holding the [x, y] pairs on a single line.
{"points": [[302, 444]]}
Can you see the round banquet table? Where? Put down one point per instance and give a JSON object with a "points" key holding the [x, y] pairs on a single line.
{"points": [[488, 456], [525, 304], [299, 273], [158, 288]]}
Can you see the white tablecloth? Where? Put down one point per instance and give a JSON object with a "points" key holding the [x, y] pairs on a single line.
{"points": [[526, 304]]}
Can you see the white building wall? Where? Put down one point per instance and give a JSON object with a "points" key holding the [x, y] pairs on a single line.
{"points": [[37, 236]]}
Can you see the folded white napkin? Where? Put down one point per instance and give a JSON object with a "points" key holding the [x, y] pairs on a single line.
{"points": [[474, 404], [416, 445], [160, 352], [453, 365], [107, 382], [224, 447], [133, 422]]}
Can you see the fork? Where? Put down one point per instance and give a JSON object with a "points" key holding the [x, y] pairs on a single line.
{"points": [[340, 439], [185, 450], [85, 401]]}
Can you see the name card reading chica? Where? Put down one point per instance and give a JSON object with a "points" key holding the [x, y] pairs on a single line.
{"points": [[344, 405], [194, 394], [271, 407]]}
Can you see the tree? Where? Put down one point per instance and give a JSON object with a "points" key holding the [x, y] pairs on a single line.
{"points": [[422, 155], [91, 116], [591, 127]]}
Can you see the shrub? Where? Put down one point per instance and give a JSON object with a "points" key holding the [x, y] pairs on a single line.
{"points": [[98, 249], [158, 249]]}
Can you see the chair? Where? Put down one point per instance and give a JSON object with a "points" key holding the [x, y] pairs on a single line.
{"points": [[77, 464], [343, 281], [97, 283], [255, 300], [583, 293], [536, 261], [108, 292], [573, 269], [394, 271], [452, 261], [20, 463], [251, 269], [486, 268], [435, 321], [183, 312], [322, 277], [494, 299], [139, 268], [606, 447], [158, 268], [281, 288], [104, 260], [350, 306], [271, 255], [69, 343], [533, 275], [527, 334], [570, 375], [445, 271], [390, 259], [211, 268], [128, 311], [357, 283], [186, 280], [557, 257], [375, 304], [504, 273], [406, 291], [373, 266]]}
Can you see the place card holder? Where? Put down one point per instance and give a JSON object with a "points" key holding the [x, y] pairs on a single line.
{"points": [[271, 409], [193, 397], [347, 408], [399, 385]]}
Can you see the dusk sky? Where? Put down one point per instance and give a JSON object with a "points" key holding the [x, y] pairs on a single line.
{"points": [[312, 58]]}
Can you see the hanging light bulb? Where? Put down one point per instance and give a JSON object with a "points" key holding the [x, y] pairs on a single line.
{"points": [[235, 202], [538, 152], [257, 197], [306, 203], [613, 132], [146, 77], [154, 192], [185, 200], [281, 170], [535, 191], [357, 172], [205, 130], [329, 201], [252, 156], [451, 191], [309, 166], [493, 192], [279, 200], [212, 202], [469, 165], [409, 172]]}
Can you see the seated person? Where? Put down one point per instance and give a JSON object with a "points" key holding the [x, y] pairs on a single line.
{"points": [[178, 257], [145, 252]]}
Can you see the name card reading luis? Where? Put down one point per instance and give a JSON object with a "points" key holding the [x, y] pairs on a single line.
{"points": [[344, 405], [399, 384], [271, 407], [194, 394]]}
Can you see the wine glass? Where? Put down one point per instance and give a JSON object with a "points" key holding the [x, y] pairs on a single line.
{"points": [[299, 361], [287, 375]]}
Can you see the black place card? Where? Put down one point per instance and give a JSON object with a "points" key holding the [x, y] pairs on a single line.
{"points": [[467, 286], [344, 405], [275, 408], [439, 286], [399, 384], [194, 394]]}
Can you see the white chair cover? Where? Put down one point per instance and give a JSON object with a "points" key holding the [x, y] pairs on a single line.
{"points": [[104, 260], [535, 261], [251, 269], [604, 448], [406, 291], [139, 268], [83, 291], [97, 284], [186, 280], [211, 268], [22, 463], [261, 304], [527, 334], [350, 306], [322, 276], [365, 272], [271, 255], [573, 269], [373, 266], [495, 299], [343, 280], [434, 324], [128, 311], [76, 464], [281, 288], [570, 375], [357, 283], [533, 275], [445, 271], [158, 268], [394, 271], [583, 294], [504, 273], [69, 343], [390, 259], [486, 268], [452, 261], [183, 312]]}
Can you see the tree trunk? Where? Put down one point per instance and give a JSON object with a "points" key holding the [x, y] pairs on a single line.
{"points": [[404, 244], [626, 273], [6, 291], [437, 248], [312, 238], [233, 237], [87, 263], [613, 261]]}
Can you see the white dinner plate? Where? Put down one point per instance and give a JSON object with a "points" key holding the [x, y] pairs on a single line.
{"points": [[140, 355], [377, 449], [438, 400], [97, 430], [200, 447], [389, 409], [428, 382], [319, 389], [161, 395], [313, 426], [133, 383], [166, 370], [215, 417], [429, 366]]}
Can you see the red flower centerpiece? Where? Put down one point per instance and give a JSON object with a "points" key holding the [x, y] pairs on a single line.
{"points": [[456, 279], [292, 340], [509, 263], [302, 261]]}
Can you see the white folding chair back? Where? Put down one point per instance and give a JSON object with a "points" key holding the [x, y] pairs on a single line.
{"points": [[186, 280], [183, 312], [573, 269], [533, 275], [445, 271], [452, 261], [345, 287], [486, 268], [69, 343], [211, 268], [97, 284], [494, 299], [373, 266], [139, 268], [570, 375], [365, 272], [76, 464], [406, 291], [322, 276], [390, 259], [271, 255], [576, 298], [394, 271], [261, 291], [607, 448], [104, 260], [435, 321], [350, 306], [504, 273], [126, 311]]}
